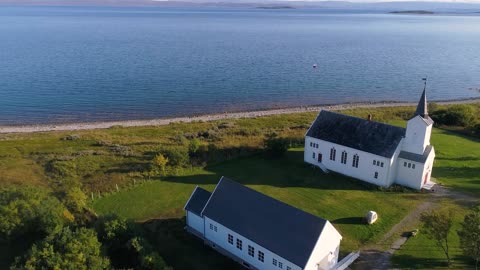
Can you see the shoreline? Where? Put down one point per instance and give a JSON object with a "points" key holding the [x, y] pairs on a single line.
{"points": [[211, 117]]}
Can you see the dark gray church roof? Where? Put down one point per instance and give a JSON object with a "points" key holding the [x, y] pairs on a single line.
{"points": [[416, 157], [197, 200], [422, 106], [368, 136], [278, 227]]}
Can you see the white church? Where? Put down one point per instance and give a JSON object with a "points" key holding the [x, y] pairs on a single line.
{"points": [[373, 152], [260, 232]]}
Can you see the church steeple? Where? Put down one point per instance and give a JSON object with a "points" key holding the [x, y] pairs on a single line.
{"points": [[422, 104]]}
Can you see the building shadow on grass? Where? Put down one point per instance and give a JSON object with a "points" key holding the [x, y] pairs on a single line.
{"points": [[181, 250], [286, 171]]}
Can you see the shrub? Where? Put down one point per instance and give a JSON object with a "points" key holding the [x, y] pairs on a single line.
{"points": [[160, 161], [193, 147], [177, 157], [71, 138], [456, 115], [274, 146]]}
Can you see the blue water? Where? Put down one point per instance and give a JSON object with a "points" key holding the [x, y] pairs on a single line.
{"points": [[69, 64]]}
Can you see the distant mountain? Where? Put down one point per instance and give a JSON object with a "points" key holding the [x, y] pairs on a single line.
{"points": [[274, 4]]}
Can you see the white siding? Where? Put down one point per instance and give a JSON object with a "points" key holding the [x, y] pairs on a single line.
{"points": [[409, 177], [195, 222], [325, 253], [365, 171], [417, 135], [220, 238]]}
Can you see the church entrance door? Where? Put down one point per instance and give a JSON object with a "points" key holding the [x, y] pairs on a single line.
{"points": [[319, 157]]}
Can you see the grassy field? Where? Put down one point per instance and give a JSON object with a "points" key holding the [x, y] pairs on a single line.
{"points": [[101, 160]]}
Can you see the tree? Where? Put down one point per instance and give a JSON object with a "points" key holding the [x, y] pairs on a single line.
{"points": [[469, 234], [437, 226], [160, 161], [28, 210], [193, 147], [75, 200], [65, 249]]}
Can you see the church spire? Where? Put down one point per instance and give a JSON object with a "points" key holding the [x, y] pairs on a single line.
{"points": [[422, 104]]}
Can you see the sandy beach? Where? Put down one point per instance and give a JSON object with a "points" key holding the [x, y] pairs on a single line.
{"points": [[209, 117]]}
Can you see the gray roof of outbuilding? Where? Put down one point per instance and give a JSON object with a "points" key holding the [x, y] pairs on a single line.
{"points": [[278, 227], [357, 133], [197, 201], [416, 157]]}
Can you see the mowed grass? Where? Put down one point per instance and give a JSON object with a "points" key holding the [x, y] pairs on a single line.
{"points": [[420, 252], [342, 200]]}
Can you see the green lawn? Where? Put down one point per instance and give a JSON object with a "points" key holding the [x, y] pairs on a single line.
{"points": [[422, 253], [342, 200]]}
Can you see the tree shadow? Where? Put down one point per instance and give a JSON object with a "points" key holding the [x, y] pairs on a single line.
{"points": [[286, 171], [412, 262], [350, 220], [181, 250]]}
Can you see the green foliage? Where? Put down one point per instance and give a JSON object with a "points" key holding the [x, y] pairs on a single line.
{"points": [[65, 249], [177, 156], [275, 146], [126, 246], [160, 161], [456, 115], [437, 226], [26, 210], [75, 200], [469, 234], [193, 147]]}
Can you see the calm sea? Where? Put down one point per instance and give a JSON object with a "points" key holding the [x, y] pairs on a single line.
{"points": [[69, 64]]}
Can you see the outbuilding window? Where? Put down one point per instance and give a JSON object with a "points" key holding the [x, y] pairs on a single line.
{"points": [[239, 244], [381, 164], [376, 175], [413, 166], [261, 256], [251, 251], [230, 239], [280, 265], [409, 165], [274, 262], [405, 164]]}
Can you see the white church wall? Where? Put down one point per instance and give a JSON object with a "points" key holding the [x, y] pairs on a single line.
{"points": [[195, 222], [410, 173], [365, 171], [326, 251], [393, 168], [428, 166], [219, 236]]}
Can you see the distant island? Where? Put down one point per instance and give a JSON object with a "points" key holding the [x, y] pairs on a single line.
{"points": [[276, 7], [412, 12]]}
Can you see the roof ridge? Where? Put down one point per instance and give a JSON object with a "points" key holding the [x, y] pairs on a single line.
{"points": [[365, 120]]}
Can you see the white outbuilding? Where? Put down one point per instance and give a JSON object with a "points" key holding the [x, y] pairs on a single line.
{"points": [[373, 152], [260, 232]]}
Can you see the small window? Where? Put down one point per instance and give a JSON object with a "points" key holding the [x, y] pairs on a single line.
{"points": [[409, 165], [215, 228], [413, 166], [239, 244], [274, 262], [374, 162], [313, 155], [344, 157], [404, 164], [311, 144], [261, 256], [280, 265], [251, 251], [230, 239], [355, 161], [211, 226], [376, 175], [381, 164]]}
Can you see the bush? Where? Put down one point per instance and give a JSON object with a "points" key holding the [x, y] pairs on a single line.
{"points": [[274, 146], [456, 115], [177, 157], [160, 161], [193, 147]]}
